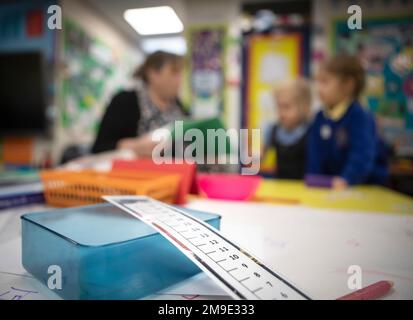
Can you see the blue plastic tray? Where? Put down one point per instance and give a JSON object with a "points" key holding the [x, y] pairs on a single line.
{"points": [[103, 252]]}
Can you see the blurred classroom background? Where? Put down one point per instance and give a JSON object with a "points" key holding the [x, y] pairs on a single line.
{"points": [[236, 53]]}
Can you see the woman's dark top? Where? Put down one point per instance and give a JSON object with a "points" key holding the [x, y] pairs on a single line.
{"points": [[291, 158], [123, 119]]}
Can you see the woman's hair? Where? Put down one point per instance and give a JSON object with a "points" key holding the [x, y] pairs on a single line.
{"points": [[347, 67], [156, 61]]}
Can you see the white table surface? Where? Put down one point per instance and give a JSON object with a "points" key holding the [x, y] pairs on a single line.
{"points": [[313, 248]]}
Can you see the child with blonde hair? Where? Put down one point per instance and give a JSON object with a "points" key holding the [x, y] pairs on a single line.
{"points": [[289, 135]]}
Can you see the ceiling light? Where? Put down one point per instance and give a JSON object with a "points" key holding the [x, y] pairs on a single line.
{"points": [[154, 20]]}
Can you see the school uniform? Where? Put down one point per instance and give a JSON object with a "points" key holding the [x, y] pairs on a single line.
{"points": [[344, 142], [290, 147]]}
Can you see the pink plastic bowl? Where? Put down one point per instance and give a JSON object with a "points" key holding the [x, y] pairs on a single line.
{"points": [[228, 186]]}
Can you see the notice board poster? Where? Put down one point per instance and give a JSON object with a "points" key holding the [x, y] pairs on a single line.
{"points": [[385, 47], [206, 71], [272, 60]]}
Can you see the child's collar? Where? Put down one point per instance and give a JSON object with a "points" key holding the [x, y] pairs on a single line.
{"points": [[338, 111], [290, 137]]}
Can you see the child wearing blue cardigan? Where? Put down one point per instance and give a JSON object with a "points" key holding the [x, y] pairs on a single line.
{"points": [[343, 141]]}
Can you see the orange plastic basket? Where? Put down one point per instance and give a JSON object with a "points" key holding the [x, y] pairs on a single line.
{"points": [[72, 188]]}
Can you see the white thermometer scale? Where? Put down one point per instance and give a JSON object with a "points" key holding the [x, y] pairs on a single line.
{"points": [[241, 275]]}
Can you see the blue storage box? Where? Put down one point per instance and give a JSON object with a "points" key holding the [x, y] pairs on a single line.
{"points": [[103, 252]]}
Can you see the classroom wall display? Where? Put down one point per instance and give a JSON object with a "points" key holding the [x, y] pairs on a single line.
{"points": [[93, 72], [23, 28], [271, 60], [385, 46], [206, 70]]}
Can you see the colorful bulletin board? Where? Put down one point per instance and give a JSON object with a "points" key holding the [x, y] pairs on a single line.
{"points": [[206, 70], [88, 63], [23, 28], [272, 59], [385, 47], [93, 73]]}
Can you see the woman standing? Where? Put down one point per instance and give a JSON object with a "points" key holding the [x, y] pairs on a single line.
{"points": [[132, 114]]}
